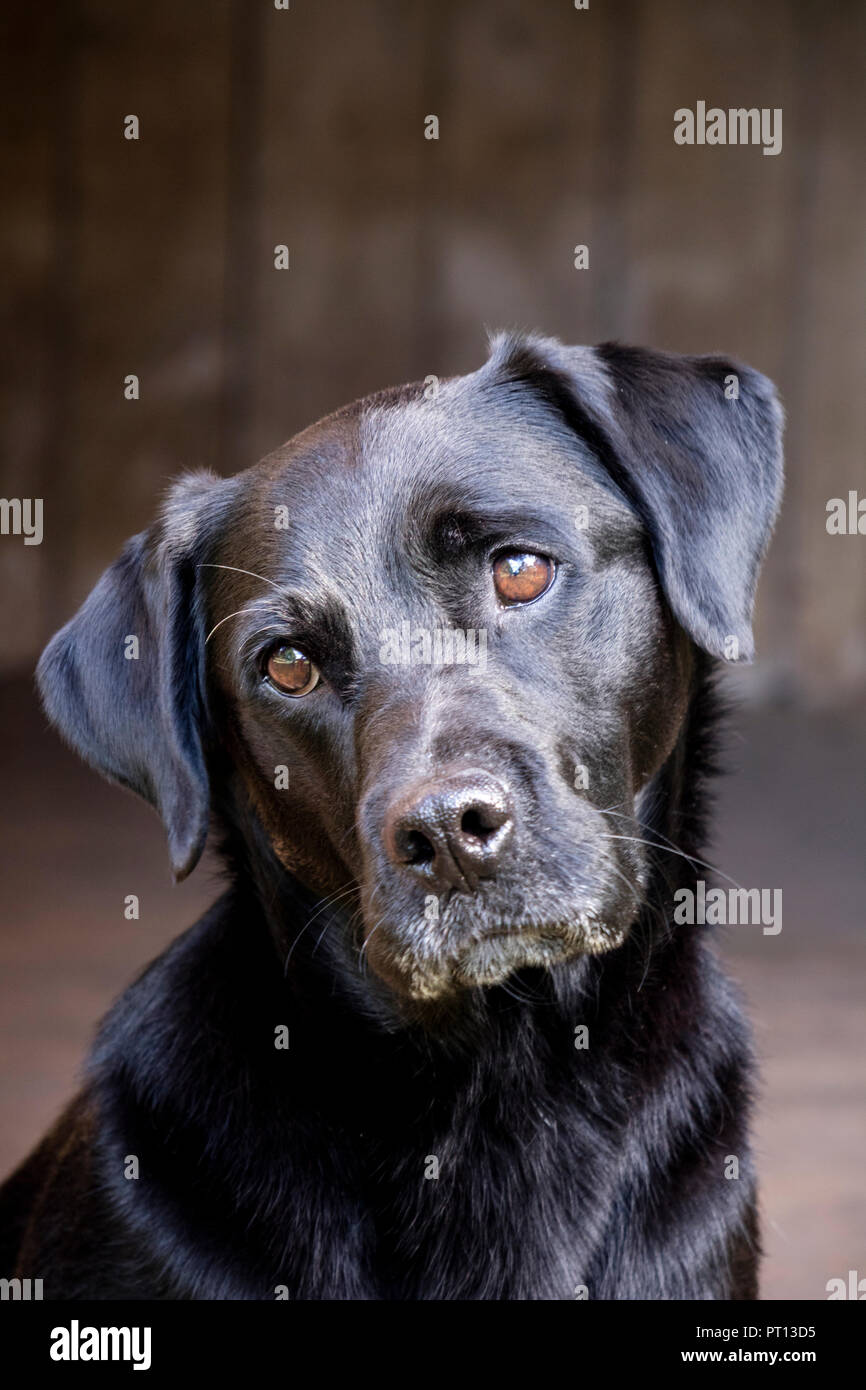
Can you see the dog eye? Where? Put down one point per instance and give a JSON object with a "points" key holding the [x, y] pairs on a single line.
{"points": [[520, 577], [290, 671]]}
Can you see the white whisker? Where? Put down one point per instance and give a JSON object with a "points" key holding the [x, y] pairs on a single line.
{"points": [[669, 849], [251, 573], [236, 614]]}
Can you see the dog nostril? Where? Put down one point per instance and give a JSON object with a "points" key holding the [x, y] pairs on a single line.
{"points": [[475, 825], [417, 848]]}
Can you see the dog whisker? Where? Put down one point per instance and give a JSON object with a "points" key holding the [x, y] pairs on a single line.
{"points": [[366, 942], [238, 612], [670, 849], [330, 901], [252, 574]]}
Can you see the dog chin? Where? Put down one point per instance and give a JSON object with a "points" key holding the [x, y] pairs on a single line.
{"points": [[489, 960]]}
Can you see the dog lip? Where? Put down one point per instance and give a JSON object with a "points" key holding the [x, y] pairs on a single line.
{"points": [[554, 932], [547, 936], [557, 930], [491, 957]]}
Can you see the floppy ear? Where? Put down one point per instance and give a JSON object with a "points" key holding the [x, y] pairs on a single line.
{"points": [[695, 444], [123, 680]]}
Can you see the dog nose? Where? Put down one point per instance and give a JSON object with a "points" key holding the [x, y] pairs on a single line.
{"points": [[451, 831]]}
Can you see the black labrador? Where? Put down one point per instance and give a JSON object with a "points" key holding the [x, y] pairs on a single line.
{"points": [[438, 674]]}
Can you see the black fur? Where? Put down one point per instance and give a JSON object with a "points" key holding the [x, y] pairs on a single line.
{"points": [[432, 1131]]}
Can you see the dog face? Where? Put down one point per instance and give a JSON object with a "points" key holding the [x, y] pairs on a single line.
{"points": [[444, 641]]}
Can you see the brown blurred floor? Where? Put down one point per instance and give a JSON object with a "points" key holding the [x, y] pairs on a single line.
{"points": [[791, 816]]}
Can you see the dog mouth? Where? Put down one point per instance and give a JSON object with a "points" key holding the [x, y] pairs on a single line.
{"points": [[457, 942], [489, 959]]}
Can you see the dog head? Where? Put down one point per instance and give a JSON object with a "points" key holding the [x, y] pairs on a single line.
{"points": [[443, 640]]}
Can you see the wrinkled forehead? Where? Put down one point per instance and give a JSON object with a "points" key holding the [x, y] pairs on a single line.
{"points": [[371, 480]]}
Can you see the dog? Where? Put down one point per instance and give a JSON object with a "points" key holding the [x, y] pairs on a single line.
{"points": [[440, 1037]]}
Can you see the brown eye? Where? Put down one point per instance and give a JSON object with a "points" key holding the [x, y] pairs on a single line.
{"points": [[290, 671], [520, 577]]}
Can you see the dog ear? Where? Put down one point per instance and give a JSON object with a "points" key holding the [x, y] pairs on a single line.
{"points": [[123, 681], [695, 444]]}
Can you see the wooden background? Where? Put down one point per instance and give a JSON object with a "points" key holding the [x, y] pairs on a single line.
{"points": [[306, 127]]}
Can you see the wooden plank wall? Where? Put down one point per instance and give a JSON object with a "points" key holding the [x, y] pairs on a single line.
{"points": [[306, 127]]}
